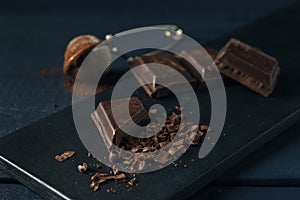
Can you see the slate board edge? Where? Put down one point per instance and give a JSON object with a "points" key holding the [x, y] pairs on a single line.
{"points": [[215, 171], [48, 192], [35, 184]]}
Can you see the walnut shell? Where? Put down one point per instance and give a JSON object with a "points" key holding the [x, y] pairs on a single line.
{"points": [[77, 50]]}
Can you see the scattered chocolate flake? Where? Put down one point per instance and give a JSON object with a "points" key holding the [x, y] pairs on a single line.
{"points": [[202, 130], [98, 166], [111, 190], [48, 71], [197, 138], [132, 181], [178, 108], [54, 105], [64, 156], [98, 178], [89, 154], [175, 164], [119, 178], [115, 171], [205, 128], [82, 168]]}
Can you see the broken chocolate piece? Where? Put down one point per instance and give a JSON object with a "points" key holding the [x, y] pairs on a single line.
{"points": [[109, 130], [165, 58], [64, 156], [249, 66]]}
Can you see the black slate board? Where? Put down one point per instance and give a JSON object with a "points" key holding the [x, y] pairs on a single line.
{"points": [[252, 121]]}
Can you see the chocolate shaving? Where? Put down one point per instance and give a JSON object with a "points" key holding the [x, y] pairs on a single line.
{"points": [[64, 156], [97, 179], [132, 181], [98, 166]]}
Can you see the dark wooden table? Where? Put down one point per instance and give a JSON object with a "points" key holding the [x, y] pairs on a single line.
{"points": [[33, 36]]}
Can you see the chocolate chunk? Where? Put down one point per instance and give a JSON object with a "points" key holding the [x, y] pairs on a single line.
{"points": [[107, 126], [165, 58], [249, 66]]}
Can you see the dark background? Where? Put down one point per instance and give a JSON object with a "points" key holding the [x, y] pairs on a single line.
{"points": [[33, 37]]}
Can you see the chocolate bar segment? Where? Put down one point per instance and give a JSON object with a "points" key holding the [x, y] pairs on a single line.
{"points": [[199, 58], [249, 66], [107, 126], [165, 58]]}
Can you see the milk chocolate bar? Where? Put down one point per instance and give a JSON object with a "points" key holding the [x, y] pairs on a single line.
{"points": [[165, 58], [107, 126], [249, 66]]}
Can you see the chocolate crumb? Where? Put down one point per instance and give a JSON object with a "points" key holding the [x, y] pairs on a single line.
{"points": [[82, 168], [115, 171], [178, 108], [175, 164], [64, 156], [89, 154], [205, 128], [132, 181], [54, 105], [111, 190], [98, 166]]}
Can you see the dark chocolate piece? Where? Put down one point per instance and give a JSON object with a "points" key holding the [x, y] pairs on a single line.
{"points": [[199, 58], [249, 66], [168, 59], [109, 130]]}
